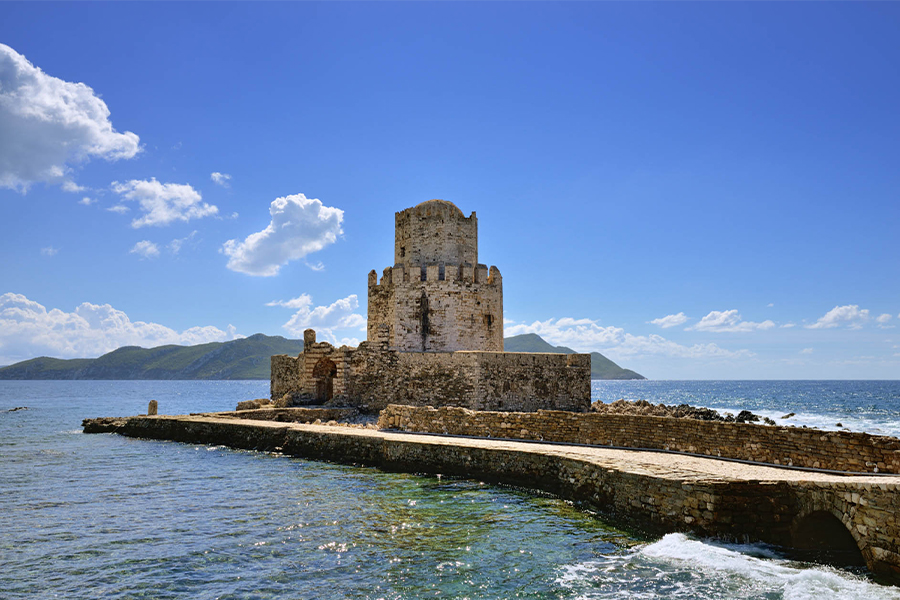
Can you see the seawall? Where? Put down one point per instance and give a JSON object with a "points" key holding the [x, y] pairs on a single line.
{"points": [[651, 492], [791, 446]]}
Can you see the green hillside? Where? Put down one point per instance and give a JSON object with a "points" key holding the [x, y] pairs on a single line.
{"points": [[246, 358], [601, 367]]}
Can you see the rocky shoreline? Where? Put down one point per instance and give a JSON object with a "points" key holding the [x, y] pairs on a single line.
{"points": [[682, 411]]}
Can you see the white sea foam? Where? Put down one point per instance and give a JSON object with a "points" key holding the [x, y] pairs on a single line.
{"points": [[827, 422], [678, 567]]}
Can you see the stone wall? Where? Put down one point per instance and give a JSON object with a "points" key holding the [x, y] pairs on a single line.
{"points": [[285, 375], [505, 381], [835, 450], [372, 376], [293, 415], [318, 374], [435, 232], [438, 308]]}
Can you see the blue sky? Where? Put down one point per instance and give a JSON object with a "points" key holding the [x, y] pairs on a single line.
{"points": [[696, 190]]}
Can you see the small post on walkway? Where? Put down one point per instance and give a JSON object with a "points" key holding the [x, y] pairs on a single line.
{"points": [[152, 408]]}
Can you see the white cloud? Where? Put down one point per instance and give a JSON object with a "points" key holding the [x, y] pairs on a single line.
{"points": [[670, 320], [49, 251], [883, 319], [728, 321], [223, 179], [28, 329], [49, 124], [788, 325], [586, 335], [177, 244], [849, 314], [806, 351], [72, 187], [164, 203], [639, 345], [145, 249], [770, 305], [299, 226], [87, 201], [119, 209], [579, 334], [326, 320]]}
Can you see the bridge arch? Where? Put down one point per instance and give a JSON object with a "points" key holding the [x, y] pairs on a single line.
{"points": [[819, 534]]}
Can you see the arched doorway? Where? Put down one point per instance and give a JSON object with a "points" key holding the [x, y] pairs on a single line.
{"points": [[324, 373], [821, 537]]}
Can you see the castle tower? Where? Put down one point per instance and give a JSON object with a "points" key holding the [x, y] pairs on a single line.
{"points": [[436, 297]]}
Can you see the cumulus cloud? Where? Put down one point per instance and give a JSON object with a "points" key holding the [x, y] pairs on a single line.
{"points": [[806, 351], [326, 320], [670, 320], [163, 203], [725, 321], [299, 226], [849, 314], [49, 125], [72, 187], [87, 201], [579, 334], [119, 209], [223, 179], [883, 320], [145, 249], [644, 345], [49, 251], [28, 329], [586, 335]]}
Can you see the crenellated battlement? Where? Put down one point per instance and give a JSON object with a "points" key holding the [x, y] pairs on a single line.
{"points": [[414, 274], [437, 297]]}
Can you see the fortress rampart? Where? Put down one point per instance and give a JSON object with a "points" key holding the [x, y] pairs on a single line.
{"points": [[792, 446], [434, 335], [438, 308], [437, 297], [373, 376]]}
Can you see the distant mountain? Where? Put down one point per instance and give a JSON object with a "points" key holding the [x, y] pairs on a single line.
{"points": [[601, 367], [246, 358]]}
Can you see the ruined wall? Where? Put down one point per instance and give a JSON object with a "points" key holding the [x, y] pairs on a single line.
{"points": [[836, 450], [476, 380], [435, 232], [285, 375], [438, 308], [318, 374]]}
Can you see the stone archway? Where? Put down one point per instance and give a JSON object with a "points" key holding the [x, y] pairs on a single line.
{"points": [[820, 536], [323, 374]]}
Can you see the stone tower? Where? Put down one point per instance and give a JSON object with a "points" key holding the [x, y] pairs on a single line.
{"points": [[436, 297]]}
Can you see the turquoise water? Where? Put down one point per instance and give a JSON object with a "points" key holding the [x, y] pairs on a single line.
{"points": [[89, 516]]}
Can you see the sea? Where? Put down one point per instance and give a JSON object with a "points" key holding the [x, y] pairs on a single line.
{"points": [[104, 516]]}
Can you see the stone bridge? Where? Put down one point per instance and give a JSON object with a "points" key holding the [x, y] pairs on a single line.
{"points": [[836, 518]]}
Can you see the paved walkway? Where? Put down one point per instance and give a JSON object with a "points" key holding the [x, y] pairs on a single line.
{"points": [[657, 464]]}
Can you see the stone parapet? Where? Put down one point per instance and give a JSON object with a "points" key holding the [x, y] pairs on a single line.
{"points": [[791, 446]]}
